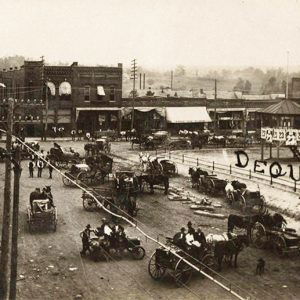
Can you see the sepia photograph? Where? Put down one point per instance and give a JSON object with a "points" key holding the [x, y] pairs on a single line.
{"points": [[149, 150]]}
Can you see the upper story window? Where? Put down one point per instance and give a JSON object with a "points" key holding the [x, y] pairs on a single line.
{"points": [[87, 90], [100, 92], [112, 95], [65, 91]]}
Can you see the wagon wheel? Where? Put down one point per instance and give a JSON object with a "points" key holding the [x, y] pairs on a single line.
{"points": [[258, 235], [155, 269], [182, 273], [208, 262], [89, 204], [66, 181], [243, 203], [81, 178], [209, 186], [138, 252], [279, 245]]}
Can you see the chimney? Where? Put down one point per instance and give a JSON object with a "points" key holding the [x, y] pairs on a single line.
{"points": [[120, 65], [74, 64], [10, 69]]}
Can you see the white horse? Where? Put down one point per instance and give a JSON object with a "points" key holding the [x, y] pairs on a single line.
{"points": [[212, 238], [229, 190], [144, 161]]}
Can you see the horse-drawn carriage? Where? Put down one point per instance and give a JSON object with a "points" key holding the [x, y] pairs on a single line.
{"points": [[213, 185], [281, 240], [110, 135], [180, 143], [163, 260], [42, 215], [100, 144], [104, 194], [63, 156]]}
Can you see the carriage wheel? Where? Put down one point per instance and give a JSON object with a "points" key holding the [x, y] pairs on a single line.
{"points": [[81, 178], [279, 245], [243, 203], [89, 204], [208, 261], [155, 270], [183, 273], [66, 181], [138, 252], [258, 235], [210, 186]]}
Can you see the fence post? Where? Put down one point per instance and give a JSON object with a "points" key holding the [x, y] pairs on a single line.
{"points": [[271, 181], [169, 154], [295, 185], [230, 169], [182, 158], [249, 173], [213, 166], [197, 162]]}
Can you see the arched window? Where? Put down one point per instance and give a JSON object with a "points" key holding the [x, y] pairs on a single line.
{"points": [[65, 91]]}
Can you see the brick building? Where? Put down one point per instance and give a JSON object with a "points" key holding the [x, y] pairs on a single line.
{"points": [[79, 97]]}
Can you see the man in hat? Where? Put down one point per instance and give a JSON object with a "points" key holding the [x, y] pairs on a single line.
{"points": [[104, 229], [36, 194], [85, 238], [179, 238], [190, 227]]}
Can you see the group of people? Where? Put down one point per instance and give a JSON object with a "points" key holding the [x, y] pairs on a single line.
{"points": [[37, 194], [190, 239], [113, 234], [39, 162]]}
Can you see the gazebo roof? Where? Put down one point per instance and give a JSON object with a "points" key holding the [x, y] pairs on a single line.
{"points": [[284, 107]]}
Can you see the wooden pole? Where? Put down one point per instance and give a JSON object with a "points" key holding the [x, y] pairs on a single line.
{"points": [[6, 207], [262, 143], [15, 227]]}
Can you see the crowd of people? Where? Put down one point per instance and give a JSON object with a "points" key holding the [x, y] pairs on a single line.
{"points": [[113, 234], [190, 240], [39, 162]]}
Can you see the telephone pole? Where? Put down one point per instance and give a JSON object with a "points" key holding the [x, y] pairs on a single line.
{"points": [[6, 207], [45, 87], [287, 75], [215, 113], [133, 76], [15, 225], [171, 80]]}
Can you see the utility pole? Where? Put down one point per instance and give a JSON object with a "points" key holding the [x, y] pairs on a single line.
{"points": [[144, 81], [171, 80], [45, 86], [215, 114], [133, 76], [140, 81], [15, 225], [6, 207], [287, 75]]}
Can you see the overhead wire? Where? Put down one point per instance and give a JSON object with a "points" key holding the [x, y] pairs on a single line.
{"points": [[136, 227]]}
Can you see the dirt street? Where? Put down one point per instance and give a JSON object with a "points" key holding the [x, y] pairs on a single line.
{"points": [[50, 265]]}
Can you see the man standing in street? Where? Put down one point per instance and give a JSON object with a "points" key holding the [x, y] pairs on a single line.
{"points": [[85, 238], [31, 167], [73, 134], [40, 166], [50, 169]]}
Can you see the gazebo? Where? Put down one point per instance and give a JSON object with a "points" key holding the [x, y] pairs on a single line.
{"points": [[280, 125]]}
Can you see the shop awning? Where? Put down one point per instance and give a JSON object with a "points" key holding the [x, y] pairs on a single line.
{"points": [[100, 90], [65, 88], [187, 115], [79, 109], [227, 109], [160, 110]]}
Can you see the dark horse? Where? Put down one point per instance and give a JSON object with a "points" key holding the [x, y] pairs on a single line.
{"points": [[142, 141], [245, 222], [195, 175], [154, 180], [229, 249]]}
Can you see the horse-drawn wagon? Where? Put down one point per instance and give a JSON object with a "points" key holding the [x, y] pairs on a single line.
{"points": [[281, 240], [180, 143], [41, 215], [100, 144], [163, 260], [63, 156]]}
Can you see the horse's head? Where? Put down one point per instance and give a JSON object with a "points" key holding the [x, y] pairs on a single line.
{"points": [[243, 240], [191, 171]]}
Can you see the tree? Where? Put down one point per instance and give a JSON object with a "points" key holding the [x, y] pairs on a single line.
{"points": [[247, 87], [283, 86], [239, 87], [133, 93]]}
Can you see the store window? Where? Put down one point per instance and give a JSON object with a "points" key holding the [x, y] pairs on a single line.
{"points": [[87, 91]]}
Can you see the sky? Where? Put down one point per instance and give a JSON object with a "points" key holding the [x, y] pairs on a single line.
{"points": [[158, 33]]}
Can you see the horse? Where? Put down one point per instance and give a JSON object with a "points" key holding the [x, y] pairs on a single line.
{"points": [[152, 180], [230, 248], [244, 222], [217, 140], [195, 175]]}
